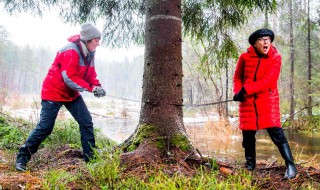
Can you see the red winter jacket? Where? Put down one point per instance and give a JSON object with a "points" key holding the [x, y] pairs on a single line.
{"points": [[259, 76], [70, 73]]}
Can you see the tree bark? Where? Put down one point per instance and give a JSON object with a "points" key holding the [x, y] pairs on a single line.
{"points": [[266, 19], [161, 132], [162, 80], [292, 101], [309, 63]]}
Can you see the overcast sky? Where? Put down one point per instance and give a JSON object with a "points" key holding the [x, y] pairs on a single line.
{"points": [[50, 31]]}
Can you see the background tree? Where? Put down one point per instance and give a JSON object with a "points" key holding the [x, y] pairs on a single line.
{"points": [[309, 75], [3, 76], [292, 101]]}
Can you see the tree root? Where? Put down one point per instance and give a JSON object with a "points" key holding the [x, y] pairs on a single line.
{"points": [[148, 157]]}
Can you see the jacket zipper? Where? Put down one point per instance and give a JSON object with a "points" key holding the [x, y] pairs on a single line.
{"points": [[255, 96]]}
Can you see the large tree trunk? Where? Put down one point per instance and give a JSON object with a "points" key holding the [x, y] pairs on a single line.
{"points": [[161, 133], [162, 81]]}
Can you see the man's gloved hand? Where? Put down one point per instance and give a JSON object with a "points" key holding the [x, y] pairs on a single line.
{"points": [[98, 91], [240, 95]]}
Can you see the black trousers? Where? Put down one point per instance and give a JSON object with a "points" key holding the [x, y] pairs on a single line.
{"points": [[48, 115], [276, 134]]}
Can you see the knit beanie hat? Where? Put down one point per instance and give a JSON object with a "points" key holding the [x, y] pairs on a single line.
{"points": [[89, 32], [260, 33]]}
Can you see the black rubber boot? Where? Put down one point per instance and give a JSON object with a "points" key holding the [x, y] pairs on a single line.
{"points": [[249, 145], [250, 154], [285, 152], [21, 163], [21, 167]]}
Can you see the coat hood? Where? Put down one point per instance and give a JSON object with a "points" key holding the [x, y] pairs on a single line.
{"points": [[74, 38]]}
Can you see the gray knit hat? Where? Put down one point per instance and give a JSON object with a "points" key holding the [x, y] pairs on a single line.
{"points": [[89, 32]]}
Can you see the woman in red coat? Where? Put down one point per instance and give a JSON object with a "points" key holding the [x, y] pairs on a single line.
{"points": [[255, 87]]}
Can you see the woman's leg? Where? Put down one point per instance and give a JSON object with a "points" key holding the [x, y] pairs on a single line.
{"points": [[281, 142], [249, 145]]}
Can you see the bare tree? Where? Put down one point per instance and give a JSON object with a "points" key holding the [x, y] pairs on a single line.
{"points": [[292, 99], [309, 61]]}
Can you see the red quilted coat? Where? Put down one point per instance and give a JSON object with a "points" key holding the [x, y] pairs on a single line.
{"points": [[70, 73], [259, 76]]}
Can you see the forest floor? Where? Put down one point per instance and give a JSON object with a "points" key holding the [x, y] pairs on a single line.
{"points": [[268, 175], [69, 159]]}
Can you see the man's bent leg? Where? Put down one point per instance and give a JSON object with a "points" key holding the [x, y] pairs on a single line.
{"points": [[43, 129]]}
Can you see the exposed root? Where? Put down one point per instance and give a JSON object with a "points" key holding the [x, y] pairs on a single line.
{"points": [[148, 158]]}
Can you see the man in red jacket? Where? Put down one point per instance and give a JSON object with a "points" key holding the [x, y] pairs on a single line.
{"points": [[255, 87], [71, 72]]}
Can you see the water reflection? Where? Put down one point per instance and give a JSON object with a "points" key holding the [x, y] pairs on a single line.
{"points": [[304, 144], [309, 142]]}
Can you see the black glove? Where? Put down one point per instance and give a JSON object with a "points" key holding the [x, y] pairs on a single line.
{"points": [[98, 91], [240, 95]]}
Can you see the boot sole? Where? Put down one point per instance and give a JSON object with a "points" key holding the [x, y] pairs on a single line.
{"points": [[292, 178], [20, 169]]}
